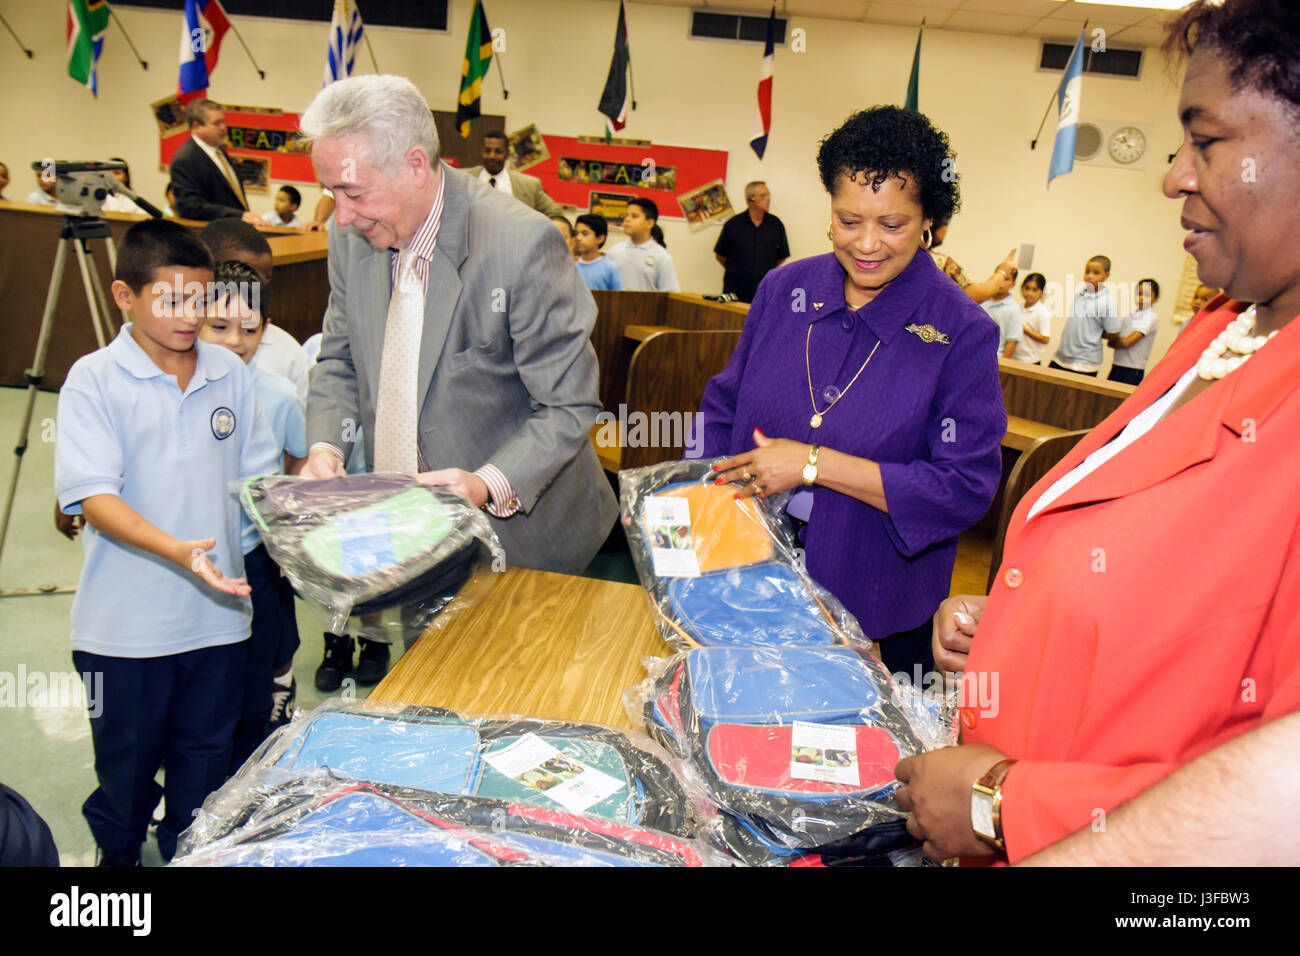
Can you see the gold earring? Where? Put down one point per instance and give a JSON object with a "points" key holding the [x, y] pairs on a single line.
{"points": [[829, 234], [927, 237]]}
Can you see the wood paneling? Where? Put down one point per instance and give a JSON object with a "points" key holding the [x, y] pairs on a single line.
{"points": [[534, 644], [1060, 399]]}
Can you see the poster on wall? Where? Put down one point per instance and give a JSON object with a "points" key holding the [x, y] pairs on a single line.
{"points": [[527, 147], [662, 173], [267, 135], [609, 206], [707, 205]]}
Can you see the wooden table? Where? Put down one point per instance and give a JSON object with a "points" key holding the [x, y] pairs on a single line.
{"points": [[534, 644]]}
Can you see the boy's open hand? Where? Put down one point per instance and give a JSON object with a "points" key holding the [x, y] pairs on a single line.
{"points": [[193, 554]]}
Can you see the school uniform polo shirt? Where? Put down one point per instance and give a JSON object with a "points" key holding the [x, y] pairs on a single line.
{"points": [[1009, 318], [645, 268], [600, 274], [277, 401], [125, 429], [1136, 355], [1091, 314]]}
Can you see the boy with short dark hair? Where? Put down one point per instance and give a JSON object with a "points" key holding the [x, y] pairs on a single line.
{"points": [[1137, 334], [588, 238], [152, 431], [236, 321], [643, 259], [1093, 316], [287, 201], [1003, 310]]}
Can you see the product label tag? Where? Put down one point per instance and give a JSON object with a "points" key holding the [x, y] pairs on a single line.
{"points": [[826, 752]]}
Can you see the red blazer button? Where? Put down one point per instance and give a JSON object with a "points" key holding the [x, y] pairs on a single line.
{"points": [[1013, 578], [967, 718]]}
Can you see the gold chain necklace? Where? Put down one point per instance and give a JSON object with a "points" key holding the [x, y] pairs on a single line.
{"points": [[816, 420]]}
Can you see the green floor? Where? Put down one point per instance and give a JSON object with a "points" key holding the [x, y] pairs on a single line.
{"points": [[45, 751]]}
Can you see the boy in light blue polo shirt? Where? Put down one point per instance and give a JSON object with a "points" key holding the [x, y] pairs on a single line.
{"points": [[1093, 316], [1005, 311], [236, 322], [596, 270], [152, 431]]}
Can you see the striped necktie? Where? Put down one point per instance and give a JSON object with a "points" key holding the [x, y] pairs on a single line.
{"points": [[396, 412]]}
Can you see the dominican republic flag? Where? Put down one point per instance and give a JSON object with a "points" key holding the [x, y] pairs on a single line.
{"points": [[1067, 106], [202, 30], [87, 22], [763, 121], [345, 37], [616, 97]]}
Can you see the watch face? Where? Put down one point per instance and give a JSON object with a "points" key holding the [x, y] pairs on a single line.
{"points": [[1127, 145], [981, 814]]}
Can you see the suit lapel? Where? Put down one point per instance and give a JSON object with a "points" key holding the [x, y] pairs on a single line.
{"points": [[376, 288], [444, 275]]}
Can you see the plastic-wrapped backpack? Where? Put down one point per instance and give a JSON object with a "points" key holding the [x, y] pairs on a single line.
{"points": [[722, 571], [363, 543], [796, 746]]}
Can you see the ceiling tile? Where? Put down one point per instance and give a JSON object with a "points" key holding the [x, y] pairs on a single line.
{"points": [[989, 23], [828, 9], [906, 14]]}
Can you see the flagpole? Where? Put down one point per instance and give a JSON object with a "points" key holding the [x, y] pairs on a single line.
{"points": [[15, 36], [234, 29], [505, 93], [144, 65], [373, 62], [1033, 144]]}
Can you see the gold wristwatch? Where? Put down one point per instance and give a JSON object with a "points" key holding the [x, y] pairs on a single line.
{"points": [[810, 469], [986, 804]]}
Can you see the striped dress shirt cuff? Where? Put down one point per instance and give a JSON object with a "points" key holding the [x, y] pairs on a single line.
{"points": [[502, 502]]}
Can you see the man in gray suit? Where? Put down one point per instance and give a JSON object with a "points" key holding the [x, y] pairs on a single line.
{"points": [[457, 332], [493, 174]]}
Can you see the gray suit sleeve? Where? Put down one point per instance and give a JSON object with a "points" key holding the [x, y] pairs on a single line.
{"points": [[551, 314], [333, 408]]}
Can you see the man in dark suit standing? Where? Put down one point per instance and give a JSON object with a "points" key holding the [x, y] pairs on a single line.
{"points": [[203, 177], [493, 174]]}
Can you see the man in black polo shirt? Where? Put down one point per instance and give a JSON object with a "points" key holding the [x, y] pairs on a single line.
{"points": [[752, 244]]}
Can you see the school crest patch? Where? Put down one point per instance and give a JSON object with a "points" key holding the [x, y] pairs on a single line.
{"points": [[223, 423]]}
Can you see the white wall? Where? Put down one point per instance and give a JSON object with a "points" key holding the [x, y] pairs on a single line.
{"points": [[983, 90]]}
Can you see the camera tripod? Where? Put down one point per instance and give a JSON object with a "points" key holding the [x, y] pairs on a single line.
{"points": [[76, 233]]}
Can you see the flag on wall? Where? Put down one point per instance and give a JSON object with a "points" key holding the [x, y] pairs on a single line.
{"points": [[478, 55], [87, 22], [913, 98], [204, 26], [345, 37], [1067, 106], [616, 96], [763, 121]]}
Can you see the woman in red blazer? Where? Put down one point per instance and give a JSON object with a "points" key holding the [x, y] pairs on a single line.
{"points": [[1148, 606]]}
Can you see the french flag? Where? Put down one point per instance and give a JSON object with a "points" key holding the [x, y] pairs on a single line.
{"points": [[763, 121], [202, 30]]}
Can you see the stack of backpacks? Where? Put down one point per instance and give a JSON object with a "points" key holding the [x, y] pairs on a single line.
{"points": [[784, 721], [368, 784]]}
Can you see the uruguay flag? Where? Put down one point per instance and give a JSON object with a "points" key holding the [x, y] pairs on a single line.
{"points": [[763, 121], [202, 30], [1067, 107], [345, 37]]}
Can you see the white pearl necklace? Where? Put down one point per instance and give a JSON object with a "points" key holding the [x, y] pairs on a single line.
{"points": [[1237, 338]]}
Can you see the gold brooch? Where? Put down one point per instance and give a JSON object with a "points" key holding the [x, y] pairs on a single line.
{"points": [[928, 333]]}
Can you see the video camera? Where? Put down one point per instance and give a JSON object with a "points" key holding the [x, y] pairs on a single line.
{"points": [[83, 186]]}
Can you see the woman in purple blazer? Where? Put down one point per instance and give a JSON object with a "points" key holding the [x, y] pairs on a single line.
{"points": [[866, 380]]}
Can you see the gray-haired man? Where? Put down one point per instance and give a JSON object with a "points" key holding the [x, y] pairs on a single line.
{"points": [[456, 334]]}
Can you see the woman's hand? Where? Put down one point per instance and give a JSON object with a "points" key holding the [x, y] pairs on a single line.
{"points": [[773, 466], [954, 630]]}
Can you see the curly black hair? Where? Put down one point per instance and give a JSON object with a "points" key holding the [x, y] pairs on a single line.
{"points": [[887, 141], [1260, 39]]}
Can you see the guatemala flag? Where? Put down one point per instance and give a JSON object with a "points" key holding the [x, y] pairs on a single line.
{"points": [[763, 121], [345, 37], [1067, 106], [202, 29]]}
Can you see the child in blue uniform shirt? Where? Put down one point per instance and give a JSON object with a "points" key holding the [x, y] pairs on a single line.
{"points": [[152, 431], [1093, 317], [236, 322], [596, 270]]}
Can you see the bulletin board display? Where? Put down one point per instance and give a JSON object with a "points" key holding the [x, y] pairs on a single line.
{"points": [[574, 168]]}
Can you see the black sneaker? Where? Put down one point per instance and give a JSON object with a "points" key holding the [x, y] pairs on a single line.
{"points": [[117, 857], [337, 662], [282, 702], [372, 662]]}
